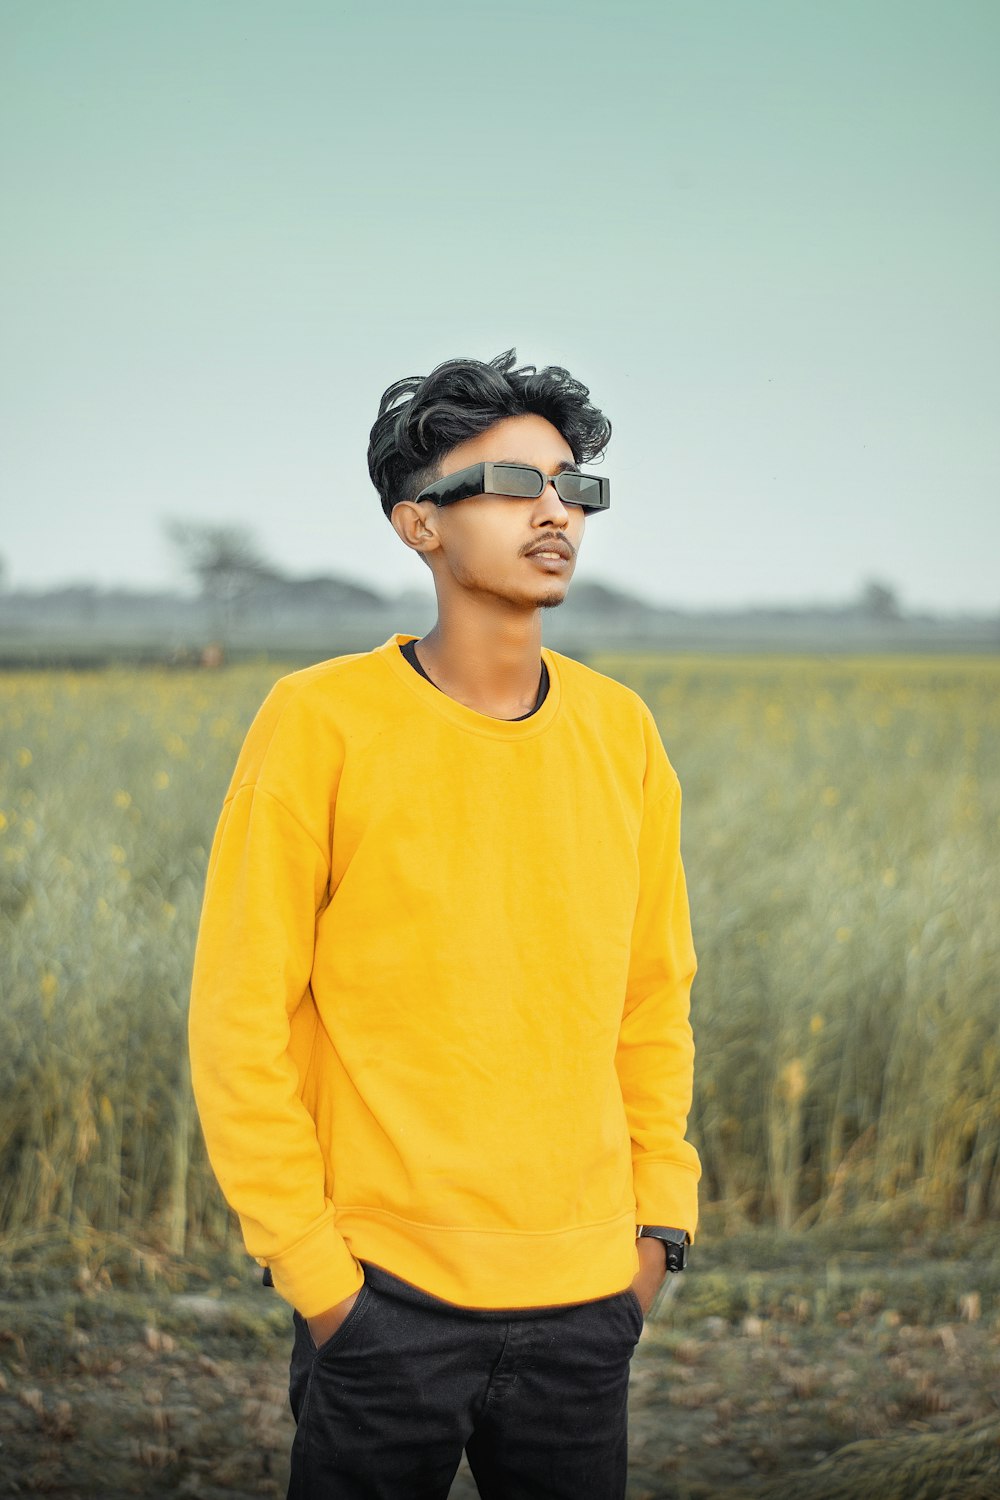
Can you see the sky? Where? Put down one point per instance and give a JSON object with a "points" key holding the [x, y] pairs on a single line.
{"points": [[765, 233]]}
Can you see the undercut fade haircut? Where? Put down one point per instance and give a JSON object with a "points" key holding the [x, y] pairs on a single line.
{"points": [[422, 418]]}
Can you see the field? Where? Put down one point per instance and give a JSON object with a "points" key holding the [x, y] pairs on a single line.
{"points": [[840, 828]]}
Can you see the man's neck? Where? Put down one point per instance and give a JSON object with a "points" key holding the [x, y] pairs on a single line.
{"points": [[488, 658]]}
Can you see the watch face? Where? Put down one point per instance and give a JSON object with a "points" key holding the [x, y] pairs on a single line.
{"points": [[675, 1243], [676, 1255]]}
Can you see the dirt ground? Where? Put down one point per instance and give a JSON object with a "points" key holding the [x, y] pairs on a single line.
{"points": [[786, 1368]]}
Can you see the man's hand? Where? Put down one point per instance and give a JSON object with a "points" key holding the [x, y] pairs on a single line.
{"points": [[652, 1270], [325, 1324]]}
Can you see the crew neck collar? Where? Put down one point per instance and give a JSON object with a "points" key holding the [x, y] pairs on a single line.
{"points": [[459, 714]]}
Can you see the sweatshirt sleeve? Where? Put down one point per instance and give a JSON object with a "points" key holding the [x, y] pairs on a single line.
{"points": [[655, 1056], [252, 1021]]}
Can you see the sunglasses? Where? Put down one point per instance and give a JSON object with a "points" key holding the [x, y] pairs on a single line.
{"points": [[519, 482]]}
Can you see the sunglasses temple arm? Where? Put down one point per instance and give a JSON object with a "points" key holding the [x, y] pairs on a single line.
{"points": [[454, 487]]}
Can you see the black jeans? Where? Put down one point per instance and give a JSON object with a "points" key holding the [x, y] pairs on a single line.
{"points": [[537, 1398]]}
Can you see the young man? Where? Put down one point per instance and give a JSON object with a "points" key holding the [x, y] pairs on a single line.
{"points": [[439, 1022]]}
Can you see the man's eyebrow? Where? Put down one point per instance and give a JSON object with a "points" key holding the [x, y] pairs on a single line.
{"points": [[567, 465]]}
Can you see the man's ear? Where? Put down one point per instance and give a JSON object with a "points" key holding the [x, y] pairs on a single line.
{"points": [[415, 525]]}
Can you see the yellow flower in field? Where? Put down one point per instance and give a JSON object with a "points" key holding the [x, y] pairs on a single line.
{"points": [[122, 799], [842, 934], [816, 1024], [176, 746], [118, 854], [792, 1080], [48, 984], [3, 821], [106, 1110], [169, 911], [830, 796], [102, 908], [161, 781], [219, 728], [889, 878], [24, 756]]}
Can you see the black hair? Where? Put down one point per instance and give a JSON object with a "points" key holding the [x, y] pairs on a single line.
{"points": [[461, 398]]}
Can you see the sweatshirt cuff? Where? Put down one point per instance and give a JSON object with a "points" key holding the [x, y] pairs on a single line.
{"points": [[666, 1193], [317, 1272]]}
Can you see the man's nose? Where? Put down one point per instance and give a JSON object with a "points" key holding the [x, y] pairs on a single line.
{"points": [[549, 509]]}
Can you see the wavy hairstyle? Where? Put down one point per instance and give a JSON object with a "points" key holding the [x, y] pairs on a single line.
{"points": [[422, 418]]}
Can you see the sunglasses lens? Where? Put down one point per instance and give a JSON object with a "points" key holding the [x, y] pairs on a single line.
{"points": [[579, 489], [512, 479]]}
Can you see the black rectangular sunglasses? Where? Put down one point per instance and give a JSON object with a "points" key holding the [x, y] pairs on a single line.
{"points": [[520, 482]]}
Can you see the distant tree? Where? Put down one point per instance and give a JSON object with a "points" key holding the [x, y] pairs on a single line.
{"points": [[224, 561], [879, 601]]}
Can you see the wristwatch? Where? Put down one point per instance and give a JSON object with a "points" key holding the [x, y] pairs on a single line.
{"points": [[675, 1243]]}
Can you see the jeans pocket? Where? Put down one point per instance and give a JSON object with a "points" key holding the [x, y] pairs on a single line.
{"points": [[633, 1299], [344, 1330]]}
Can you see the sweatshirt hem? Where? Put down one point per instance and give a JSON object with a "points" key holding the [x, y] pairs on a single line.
{"points": [[494, 1268]]}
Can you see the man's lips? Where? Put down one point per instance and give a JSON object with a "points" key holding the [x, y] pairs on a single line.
{"points": [[557, 546]]}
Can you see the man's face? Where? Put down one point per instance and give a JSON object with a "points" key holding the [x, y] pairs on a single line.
{"points": [[520, 551]]}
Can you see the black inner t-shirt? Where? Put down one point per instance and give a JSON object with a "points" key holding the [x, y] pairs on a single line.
{"points": [[408, 649]]}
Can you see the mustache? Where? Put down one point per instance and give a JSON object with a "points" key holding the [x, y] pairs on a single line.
{"points": [[555, 538]]}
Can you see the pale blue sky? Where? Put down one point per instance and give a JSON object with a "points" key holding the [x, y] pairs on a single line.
{"points": [[765, 234]]}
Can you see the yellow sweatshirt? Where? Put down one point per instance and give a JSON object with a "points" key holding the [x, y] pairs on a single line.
{"points": [[439, 1018]]}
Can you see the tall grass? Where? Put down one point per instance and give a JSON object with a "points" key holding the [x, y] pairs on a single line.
{"points": [[111, 785], [840, 827], [841, 821]]}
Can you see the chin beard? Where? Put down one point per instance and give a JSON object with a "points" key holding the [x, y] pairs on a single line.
{"points": [[548, 601]]}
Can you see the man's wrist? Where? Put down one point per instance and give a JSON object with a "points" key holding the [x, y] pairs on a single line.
{"points": [[652, 1255]]}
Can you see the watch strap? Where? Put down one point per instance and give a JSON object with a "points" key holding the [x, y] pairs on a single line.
{"points": [[676, 1242]]}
